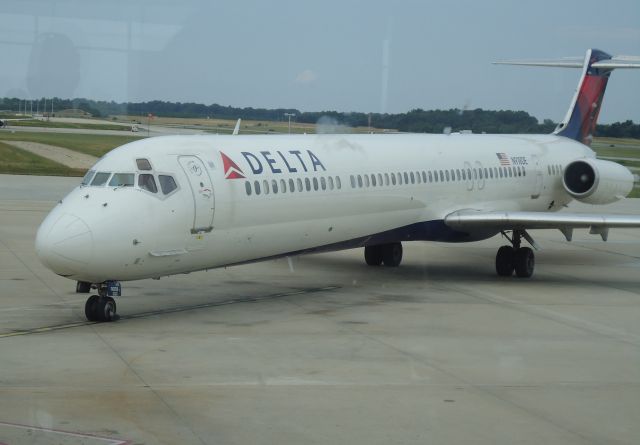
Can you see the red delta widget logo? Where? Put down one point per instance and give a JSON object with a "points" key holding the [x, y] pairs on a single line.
{"points": [[292, 161]]}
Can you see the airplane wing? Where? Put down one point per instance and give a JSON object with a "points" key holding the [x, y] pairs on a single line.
{"points": [[565, 222]]}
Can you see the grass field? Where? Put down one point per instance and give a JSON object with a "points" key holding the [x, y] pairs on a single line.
{"points": [[21, 162], [91, 144], [225, 126], [77, 125]]}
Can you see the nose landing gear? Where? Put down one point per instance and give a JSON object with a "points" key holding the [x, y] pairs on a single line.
{"points": [[102, 307], [516, 258]]}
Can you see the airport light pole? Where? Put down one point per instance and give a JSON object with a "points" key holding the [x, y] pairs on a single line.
{"points": [[289, 115]]}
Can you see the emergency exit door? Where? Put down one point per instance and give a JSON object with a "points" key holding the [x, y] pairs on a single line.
{"points": [[201, 191]]}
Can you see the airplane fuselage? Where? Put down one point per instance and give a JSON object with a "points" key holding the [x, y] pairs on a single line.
{"points": [[245, 198]]}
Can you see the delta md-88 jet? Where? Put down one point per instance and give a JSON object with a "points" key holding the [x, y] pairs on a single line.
{"points": [[177, 204]]}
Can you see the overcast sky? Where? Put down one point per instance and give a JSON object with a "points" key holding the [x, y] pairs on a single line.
{"points": [[367, 56]]}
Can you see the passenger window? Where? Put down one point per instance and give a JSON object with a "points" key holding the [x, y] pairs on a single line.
{"points": [[373, 180], [265, 187], [292, 185], [299, 182], [366, 180], [441, 176], [424, 176], [380, 179], [307, 184], [446, 175], [464, 175], [406, 178], [338, 182], [283, 186], [330, 182], [247, 187], [353, 181], [256, 185], [148, 183], [143, 164], [359, 181], [87, 177], [323, 183], [413, 178], [167, 184], [480, 173], [430, 176], [274, 186], [393, 178], [100, 178], [486, 173], [315, 183], [386, 179]]}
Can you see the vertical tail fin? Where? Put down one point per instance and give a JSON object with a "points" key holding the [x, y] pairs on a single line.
{"points": [[580, 121]]}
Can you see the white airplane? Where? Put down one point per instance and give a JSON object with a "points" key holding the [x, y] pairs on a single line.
{"points": [[178, 204]]}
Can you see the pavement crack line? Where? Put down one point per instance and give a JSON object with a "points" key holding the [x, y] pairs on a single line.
{"points": [[489, 390], [172, 310], [547, 314]]}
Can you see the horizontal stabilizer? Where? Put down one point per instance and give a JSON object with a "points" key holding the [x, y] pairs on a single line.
{"points": [[577, 62], [580, 121]]}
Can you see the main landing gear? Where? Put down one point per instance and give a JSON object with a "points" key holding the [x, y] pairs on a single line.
{"points": [[101, 307], [515, 258], [388, 254]]}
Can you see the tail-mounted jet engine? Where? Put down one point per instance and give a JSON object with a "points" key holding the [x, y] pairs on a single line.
{"points": [[595, 181]]}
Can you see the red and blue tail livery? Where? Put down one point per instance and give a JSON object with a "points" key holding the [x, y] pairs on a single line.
{"points": [[580, 123]]}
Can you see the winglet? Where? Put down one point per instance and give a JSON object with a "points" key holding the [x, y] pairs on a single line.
{"points": [[236, 130]]}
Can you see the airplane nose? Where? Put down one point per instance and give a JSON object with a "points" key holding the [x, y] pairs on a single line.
{"points": [[65, 244]]}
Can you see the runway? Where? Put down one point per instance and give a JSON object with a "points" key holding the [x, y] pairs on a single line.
{"points": [[326, 350]]}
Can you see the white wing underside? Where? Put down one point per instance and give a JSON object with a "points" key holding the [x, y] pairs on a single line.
{"points": [[565, 222]]}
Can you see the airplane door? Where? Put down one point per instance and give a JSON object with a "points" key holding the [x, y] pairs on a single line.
{"points": [[537, 172], [467, 167], [201, 191], [480, 178]]}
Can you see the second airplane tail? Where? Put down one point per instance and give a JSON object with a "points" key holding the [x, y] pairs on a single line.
{"points": [[580, 121]]}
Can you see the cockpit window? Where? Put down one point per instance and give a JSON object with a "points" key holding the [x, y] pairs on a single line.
{"points": [[143, 164], [100, 178], [87, 178], [122, 180], [167, 184], [148, 183]]}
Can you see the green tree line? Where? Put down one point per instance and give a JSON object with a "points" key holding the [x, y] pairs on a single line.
{"points": [[418, 120]]}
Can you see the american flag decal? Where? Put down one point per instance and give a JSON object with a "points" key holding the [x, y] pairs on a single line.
{"points": [[504, 159]]}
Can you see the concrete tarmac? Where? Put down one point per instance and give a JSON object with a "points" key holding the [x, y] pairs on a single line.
{"points": [[326, 350]]}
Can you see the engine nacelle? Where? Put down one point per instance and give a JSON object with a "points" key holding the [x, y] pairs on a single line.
{"points": [[595, 181]]}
